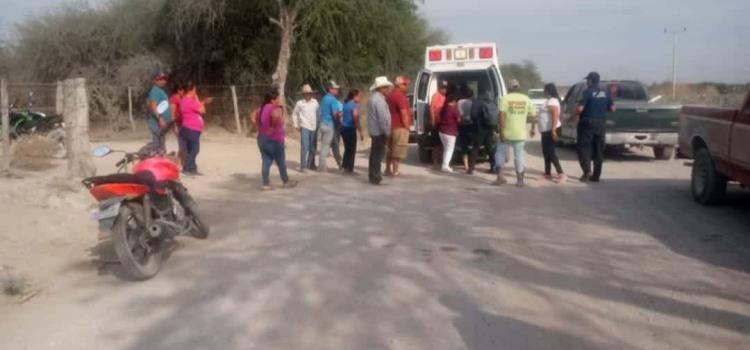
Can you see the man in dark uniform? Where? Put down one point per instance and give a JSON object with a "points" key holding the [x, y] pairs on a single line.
{"points": [[592, 109]]}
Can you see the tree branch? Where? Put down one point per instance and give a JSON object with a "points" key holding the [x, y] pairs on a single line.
{"points": [[276, 22]]}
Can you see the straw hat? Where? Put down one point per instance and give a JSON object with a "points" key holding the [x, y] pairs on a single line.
{"points": [[380, 82], [307, 89]]}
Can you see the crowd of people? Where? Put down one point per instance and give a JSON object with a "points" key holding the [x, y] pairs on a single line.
{"points": [[457, 117]]}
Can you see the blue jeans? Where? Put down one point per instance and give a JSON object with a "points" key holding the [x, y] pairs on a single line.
{"points": [[272, 151], [307, 153], [327, 132], [157, 139], [518, 154], [190, 143]]}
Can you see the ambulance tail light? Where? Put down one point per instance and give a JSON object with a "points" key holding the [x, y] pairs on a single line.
{"points": [[435, 55], [485, 52]]}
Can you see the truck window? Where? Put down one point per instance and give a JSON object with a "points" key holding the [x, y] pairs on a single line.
{"points": [[626, 91], [424, 83]]}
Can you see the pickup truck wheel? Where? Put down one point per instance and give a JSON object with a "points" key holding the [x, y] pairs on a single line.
{"points": [[663, 152], [708, 186], [425, 155]]}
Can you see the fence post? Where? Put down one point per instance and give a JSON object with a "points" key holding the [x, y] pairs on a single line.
{"points": [[59, 98], [236, 110], [76, 115], [6, 126], [130, 108]]}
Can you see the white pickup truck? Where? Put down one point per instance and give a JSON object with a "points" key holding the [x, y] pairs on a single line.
{"points": [[474, 65]]}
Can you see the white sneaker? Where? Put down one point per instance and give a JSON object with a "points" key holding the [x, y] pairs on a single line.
{"points": [[447, 170]]}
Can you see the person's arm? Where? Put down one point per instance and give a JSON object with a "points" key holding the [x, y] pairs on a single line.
{"points": [[581, 105], [554, 112], [355, 118], [532, 114], [612, 107], [154, 109], [295, 115], [277, 118], [501, 125], [384, 116], [254, 117]]}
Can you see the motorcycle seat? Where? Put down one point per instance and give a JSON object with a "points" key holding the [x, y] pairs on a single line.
{"points": [[141, 178]]}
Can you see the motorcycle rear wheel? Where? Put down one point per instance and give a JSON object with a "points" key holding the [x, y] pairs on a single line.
{"points": [[200, 228], [139, 254]]}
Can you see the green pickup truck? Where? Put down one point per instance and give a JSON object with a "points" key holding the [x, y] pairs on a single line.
{"points": [[638, 121]]}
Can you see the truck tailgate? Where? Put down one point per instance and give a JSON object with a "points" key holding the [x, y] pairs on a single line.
{"points": [[643, 117]]}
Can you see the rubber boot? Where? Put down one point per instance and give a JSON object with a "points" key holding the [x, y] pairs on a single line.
{"points": [[500, 178], [519, 179]]}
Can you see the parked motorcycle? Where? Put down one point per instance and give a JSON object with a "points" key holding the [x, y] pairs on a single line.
{"points": [[144, 209], [28, 121]]}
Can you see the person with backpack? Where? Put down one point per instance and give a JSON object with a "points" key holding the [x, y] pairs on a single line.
{"points": [[484, 113]]}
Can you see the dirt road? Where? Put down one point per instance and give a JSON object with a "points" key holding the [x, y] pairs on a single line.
{"points": [[428, 261]]}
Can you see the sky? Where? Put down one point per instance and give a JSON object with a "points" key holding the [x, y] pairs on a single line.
{"points": [[622, 39]]}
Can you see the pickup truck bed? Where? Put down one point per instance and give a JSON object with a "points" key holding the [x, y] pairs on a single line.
{"points": [[719, 141]]}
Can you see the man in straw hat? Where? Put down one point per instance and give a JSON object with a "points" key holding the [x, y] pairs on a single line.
{"points": [[305, 119], [378, 126]]}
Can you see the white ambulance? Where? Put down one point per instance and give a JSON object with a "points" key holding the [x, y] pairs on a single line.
{"points": [[473, 65]]}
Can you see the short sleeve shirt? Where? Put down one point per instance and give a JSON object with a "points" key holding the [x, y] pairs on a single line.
{"points": [[397, 101], [596, 103], [328, 106], [348, 120], [544, 122], [157, 95], [517, 108], [175, 100]]}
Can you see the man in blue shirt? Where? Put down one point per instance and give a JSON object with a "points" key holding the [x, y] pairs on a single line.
{"points": [[592, 109], [330, 123], [158, 122]]}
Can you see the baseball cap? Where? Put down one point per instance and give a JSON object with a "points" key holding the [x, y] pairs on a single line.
{"points": [[593, 77], [514, 84], [402, 80], [159, 75], [333, 85]]}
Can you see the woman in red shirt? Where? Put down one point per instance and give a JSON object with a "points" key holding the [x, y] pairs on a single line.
{"points": [[448, 129]]}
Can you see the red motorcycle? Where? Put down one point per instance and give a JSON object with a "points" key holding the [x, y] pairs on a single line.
{"points": [[144, 209]]}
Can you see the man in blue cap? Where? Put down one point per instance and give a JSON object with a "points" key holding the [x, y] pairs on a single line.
{"points": [[592, 111]]}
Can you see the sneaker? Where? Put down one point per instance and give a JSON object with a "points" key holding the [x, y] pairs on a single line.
{"points": [[290, 184], [562, 179], [585, 178], [548, 177], [594, 179], [188, 173], [302, 170], [447, 170], [198, 173], [266, 188], [519, 179]]}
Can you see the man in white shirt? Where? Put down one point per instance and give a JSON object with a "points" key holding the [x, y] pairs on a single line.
{"points": [[305, 119]]}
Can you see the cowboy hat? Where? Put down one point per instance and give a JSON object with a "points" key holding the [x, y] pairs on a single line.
{"points": [[307, 89], [380, 82]]}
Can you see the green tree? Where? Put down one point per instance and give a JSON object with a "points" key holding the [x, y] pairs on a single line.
{"points": [[526, 73]]}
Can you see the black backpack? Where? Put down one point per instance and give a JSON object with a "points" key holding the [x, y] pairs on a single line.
{"points": [[489, 113]]}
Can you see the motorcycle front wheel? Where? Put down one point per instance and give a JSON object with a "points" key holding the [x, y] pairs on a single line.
{"points": [[139, 254]]}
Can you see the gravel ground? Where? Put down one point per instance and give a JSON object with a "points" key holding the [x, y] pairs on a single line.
{"points": [[427, 261]]}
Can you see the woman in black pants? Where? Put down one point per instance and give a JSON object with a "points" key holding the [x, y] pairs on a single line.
{"points": [[549, 125]]}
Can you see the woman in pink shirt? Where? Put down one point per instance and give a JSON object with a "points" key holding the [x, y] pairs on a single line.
{"points": [[269, 119], [191, 113]]}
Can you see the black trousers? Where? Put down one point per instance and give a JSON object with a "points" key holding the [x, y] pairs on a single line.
{"points": [[487, 138], [550, 155], [377, 151], [350, 148], [591, 140]]}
